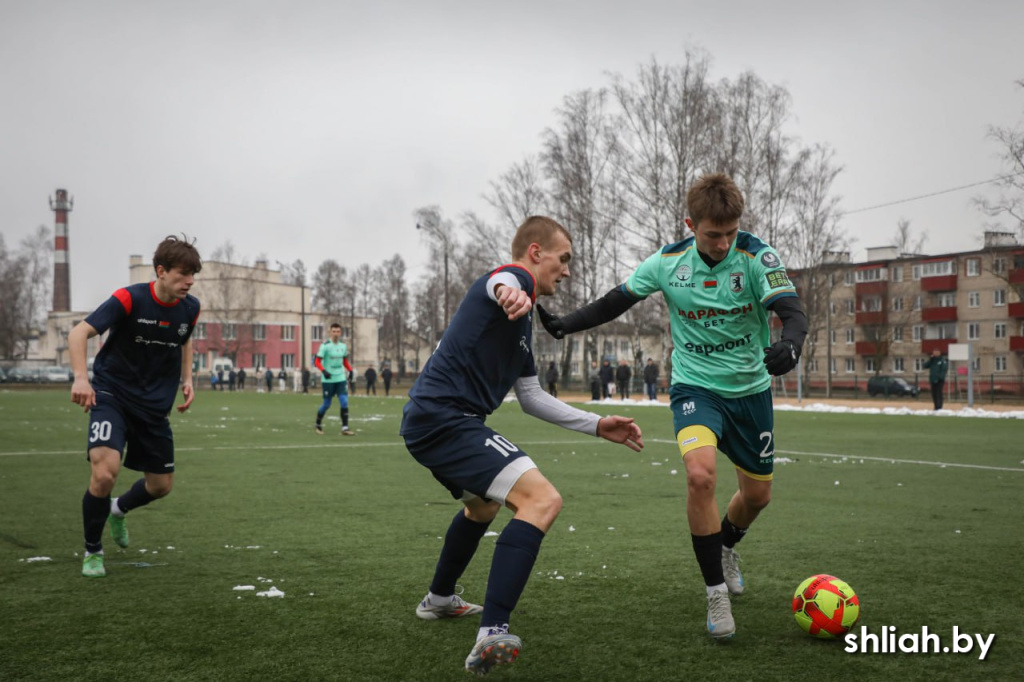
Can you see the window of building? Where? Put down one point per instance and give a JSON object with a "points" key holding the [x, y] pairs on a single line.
{"points": [[851, 306], [947, 300], [871, 304], [574, 368], [199, 333], [943, 331], [915, 272], [919, 364], [869, 365], [832, 366], [851, 335], [259, 332], [938, 268], [973, 331], [897, 273], [832, 336], [813, 365], [259, 360], [230, 331], [317, 332], [897, 365], [832, 307], [287, 332], [848, 278], [200, 360], [917, 332], [1000, 363], [973, 299], [973, 267], [871, 275], [999, 265], [897, 334], [917, 302], [976, 364], [851, 365], [999, 297], [287, 360], [897, 303], [1000, 330]]}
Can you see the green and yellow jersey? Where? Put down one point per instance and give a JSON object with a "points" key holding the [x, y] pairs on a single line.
{"points": [[719, 316]]}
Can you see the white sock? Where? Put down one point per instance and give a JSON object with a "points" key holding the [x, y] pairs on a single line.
{"points": [[435, 600], [115, 510], [88, 553], [717, 588], [481, 633]]}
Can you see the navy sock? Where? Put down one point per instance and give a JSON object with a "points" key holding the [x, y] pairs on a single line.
{"points": [[708, 549], [344, 417], [95, 511], [136, 497], [514, 556], [731, 533], [460, 545], [319, 418]]}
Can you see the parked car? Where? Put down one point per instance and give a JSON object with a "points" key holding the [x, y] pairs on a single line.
{"points": [[56, 375], [23, 375], [887, 386]]}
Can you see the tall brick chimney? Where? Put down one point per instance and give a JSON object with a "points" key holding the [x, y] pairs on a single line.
{"points": [[61, 206]]}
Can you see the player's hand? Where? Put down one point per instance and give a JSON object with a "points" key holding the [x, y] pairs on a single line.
{"points": [[190, 395], [621, 430], [327, 375], [552, 323], [781, 357], [82, 394], [515, 302], [351, 378]]}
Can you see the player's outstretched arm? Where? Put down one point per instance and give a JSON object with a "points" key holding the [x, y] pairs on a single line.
{"points": [[621, 430], [82, 393], [186, 376], [604, 309], [515, 302]]}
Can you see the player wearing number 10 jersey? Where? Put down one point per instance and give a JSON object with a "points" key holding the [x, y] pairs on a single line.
{"points": [[486, 351], [136, 375], [719, 285]]}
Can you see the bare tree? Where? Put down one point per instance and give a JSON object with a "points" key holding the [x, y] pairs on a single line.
{"points": [[330, 284], [295, 274], [15, 323], [906, 242], [395, 312], [1010, 204], [518, 194], [231, 301]]}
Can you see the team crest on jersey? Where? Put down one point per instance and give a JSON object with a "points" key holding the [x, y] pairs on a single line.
{"points": [[683, 273], [770, 260], [736, 282], [183, 329]]}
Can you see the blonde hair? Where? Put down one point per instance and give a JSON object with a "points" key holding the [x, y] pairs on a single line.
{"points": [[536, 229]]}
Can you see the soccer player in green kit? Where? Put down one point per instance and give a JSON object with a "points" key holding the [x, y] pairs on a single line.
{"points": [[332, 361], [719, 285]]}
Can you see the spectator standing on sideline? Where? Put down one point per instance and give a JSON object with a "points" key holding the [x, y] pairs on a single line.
{"points": [[595, 381], [371, 380], [268, 375], [937, 366], [220, 379], [305, 379], [551, 376], [487, 350], [232, 378], [623, 376], [332, 361], [282, 379], [721, 400], [651, 379], [241, 378], [385, 375], [607, 379], [136, 374]]}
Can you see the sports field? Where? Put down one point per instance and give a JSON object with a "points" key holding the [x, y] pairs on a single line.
{"points": [[349, 529]]}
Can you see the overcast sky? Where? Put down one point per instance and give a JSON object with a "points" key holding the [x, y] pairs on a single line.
{"points": [[314, 128]]}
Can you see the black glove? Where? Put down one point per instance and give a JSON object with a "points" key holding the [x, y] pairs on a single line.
{"points": [[781, 357], [552, 323], [351, 378], [327, 375]]}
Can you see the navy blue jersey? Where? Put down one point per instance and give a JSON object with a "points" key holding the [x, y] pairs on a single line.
{"points": [[481, 354], [140, 362]]}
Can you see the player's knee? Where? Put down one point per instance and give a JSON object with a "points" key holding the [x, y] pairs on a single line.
{"points": [[700, 482], [101, 483], [757, 499], [545, 505], [159, 488]]}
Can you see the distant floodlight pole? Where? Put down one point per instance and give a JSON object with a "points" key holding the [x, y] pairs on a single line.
{"points": [[437, 232]]}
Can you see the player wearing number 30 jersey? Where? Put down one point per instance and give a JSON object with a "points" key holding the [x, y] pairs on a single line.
{"points": [[146, 357], [486, 351]]}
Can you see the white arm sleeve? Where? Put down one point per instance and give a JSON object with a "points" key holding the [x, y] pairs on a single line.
{"points": [[536, 403], [503, 277]]}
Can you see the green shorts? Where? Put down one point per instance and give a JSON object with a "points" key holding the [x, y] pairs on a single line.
{"points": [[744, 426]]}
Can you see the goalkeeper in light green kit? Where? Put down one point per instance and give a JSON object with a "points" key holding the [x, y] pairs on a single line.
{"points": [[719, 285]]}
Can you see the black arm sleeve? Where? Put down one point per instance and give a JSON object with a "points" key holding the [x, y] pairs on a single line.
{"points": [[604, 309], [794, 322]]}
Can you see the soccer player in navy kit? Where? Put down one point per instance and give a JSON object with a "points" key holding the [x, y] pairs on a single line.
{"points": [[136, 375], [487, 350]]}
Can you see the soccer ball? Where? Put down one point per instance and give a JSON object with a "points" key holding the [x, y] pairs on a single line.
{"points": [[825, 606]]}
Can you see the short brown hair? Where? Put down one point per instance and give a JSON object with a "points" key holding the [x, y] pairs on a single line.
{"points": [[178, 253], [535, 229], [714, 197], [335, 325]]}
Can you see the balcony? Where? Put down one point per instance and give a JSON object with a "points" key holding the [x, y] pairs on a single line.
{"points": [[939, 283], [1017, 343], [870, 348], [877, 317], [1016, 276], [928, 345], [1017, 309], [872, 288], [947, 314]]}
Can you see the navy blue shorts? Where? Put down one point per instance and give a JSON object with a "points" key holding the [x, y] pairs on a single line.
{"points": [[464, 454], [145, 443]]}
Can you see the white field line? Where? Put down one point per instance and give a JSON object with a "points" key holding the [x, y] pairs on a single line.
{"points": [[660, 441]]}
